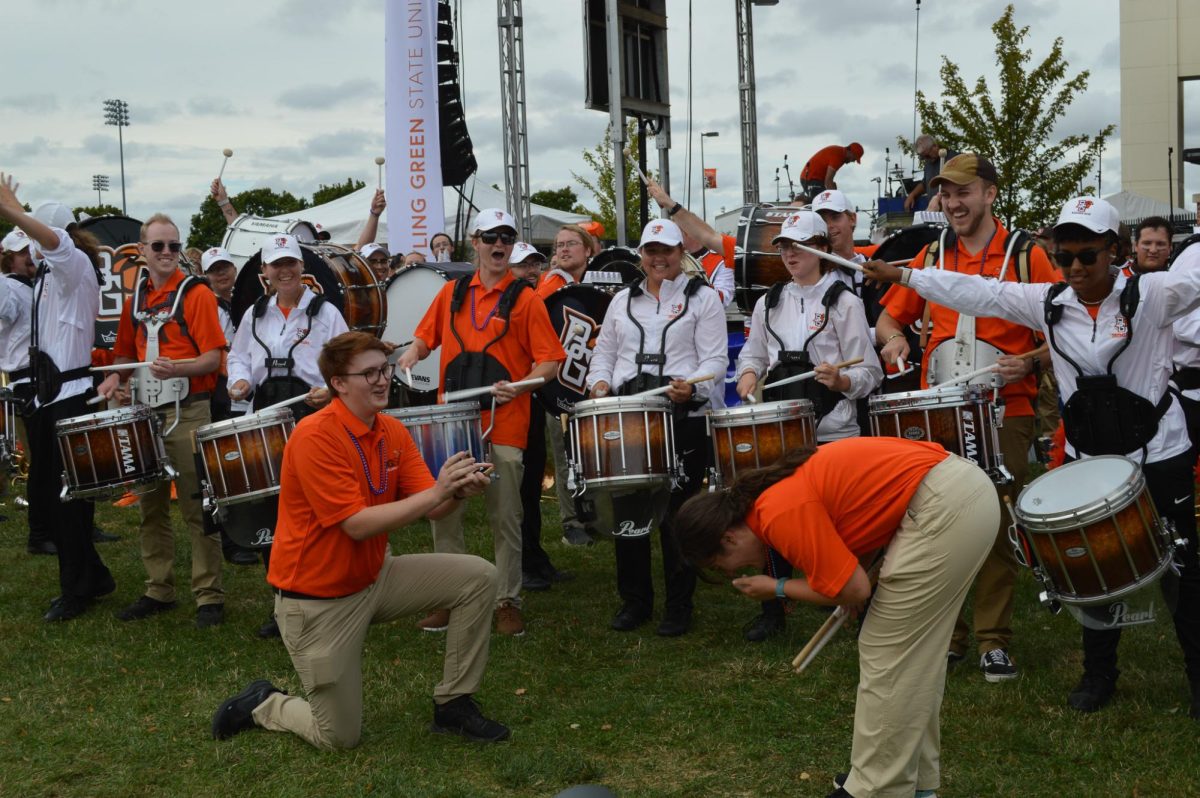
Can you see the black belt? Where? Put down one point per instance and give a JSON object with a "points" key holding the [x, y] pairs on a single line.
{"points": [[304, 596]]}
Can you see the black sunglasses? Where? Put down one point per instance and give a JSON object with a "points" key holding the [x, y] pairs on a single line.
{"points": [[491, 236], [1064, 257], [174, 246]]}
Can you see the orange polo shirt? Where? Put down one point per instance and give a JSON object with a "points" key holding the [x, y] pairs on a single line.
{"points": [[324, 481], [906, 306], [839, 506], [834, 155], [203, 325], [549, 284], [530, 339]]}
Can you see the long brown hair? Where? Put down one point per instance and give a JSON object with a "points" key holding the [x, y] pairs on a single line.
{"points": [[703, 519], [86, 243]]}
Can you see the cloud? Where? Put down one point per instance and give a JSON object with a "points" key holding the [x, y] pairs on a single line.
{"points": [[211, 106], [28, 150], [30, 103], [330, 95], [342, 144]]}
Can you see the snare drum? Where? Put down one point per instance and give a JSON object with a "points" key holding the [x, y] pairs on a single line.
{"points": [[753, 436], [443, 430], [242, 457], [962, 418], [110, 452], [621, 442], [1091, 531], [410, 292]]}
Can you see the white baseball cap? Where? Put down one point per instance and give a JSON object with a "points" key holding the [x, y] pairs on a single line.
{"points": [[522, 251], [15, 241], [661, 231], [322, 233], [1092, 213], [54, 214], [281, 246], [213, 256], [832, 200], [492, 218], [371, 249], [803, 225]]}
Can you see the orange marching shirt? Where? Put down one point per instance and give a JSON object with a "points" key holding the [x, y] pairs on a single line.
{"points": [[840, 505], [327, 478], [203, 325], [530, 339], [834, 155], [549, 284], [906, 306]]}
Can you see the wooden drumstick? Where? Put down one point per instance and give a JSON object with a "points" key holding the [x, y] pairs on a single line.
{"points": [[123, 366], [471, 393], [981, 372], [286, 402], [808, 375], [902, 368], [564, 419], [818, 640], [665, 388], [637, 168], [228, 153], [379, 161], [829, 256]]}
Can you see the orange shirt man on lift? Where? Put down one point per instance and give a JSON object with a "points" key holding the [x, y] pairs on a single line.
{"points": [[820, 172]]}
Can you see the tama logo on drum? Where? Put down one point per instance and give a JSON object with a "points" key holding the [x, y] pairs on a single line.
{"points": [[126, 447]]}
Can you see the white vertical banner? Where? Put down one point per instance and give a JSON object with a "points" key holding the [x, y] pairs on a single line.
{"points": [[411, 135]]}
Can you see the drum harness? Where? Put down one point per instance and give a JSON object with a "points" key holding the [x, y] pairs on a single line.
{"points": [[47, 380], [797, 361], [644, 381], [1101, 417], [278, 387], [150, 390]]}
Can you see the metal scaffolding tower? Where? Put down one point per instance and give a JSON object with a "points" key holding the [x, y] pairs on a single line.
{"points": [[512, 114], [746, 101]]}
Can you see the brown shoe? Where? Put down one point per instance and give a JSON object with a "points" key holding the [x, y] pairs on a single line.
{"points": [[509, 621], [436, 621]]}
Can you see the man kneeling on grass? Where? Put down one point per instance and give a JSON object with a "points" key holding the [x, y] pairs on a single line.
{"points": [[351, 475]]}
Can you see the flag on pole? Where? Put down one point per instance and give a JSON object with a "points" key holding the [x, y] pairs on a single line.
{"points": [[710, 178]]}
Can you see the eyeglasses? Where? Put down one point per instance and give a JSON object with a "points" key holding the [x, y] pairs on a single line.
{"points": [[568, 244], [1065, 257], [174, 246], [374, 375], [491, 237]]}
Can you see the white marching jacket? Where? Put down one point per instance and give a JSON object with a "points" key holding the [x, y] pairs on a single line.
{"points": [[248, 358]]}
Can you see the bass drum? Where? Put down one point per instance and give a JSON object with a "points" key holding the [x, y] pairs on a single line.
{"points": [[410, 292], [113, 231], [331, 270], [613, 269], [758, 265], [576, 312], [244, 238], [903, 244]]}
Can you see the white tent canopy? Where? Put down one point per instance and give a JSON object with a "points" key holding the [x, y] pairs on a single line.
{"points": [[1134, 206], [346, 216]]}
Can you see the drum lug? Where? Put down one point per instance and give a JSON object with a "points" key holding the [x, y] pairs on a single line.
{"points": [[1047, 600], [66, 488], [169, 471], [714, 480], [1000, 475]]}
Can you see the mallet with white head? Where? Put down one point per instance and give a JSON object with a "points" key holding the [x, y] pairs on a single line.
{"points": [[228, 153]]}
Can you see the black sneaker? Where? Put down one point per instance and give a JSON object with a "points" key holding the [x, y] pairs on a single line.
{"points": [[576, 536], [65, 609], [628, 618], [461, 716], [1092, 693], [674, 624], [533, 582], [269, 629], [144, 607], [242, 557], [210, 615], [100, 536], [236, 714], [41, 547], [997, 666], [953, 658], [762, 626]]}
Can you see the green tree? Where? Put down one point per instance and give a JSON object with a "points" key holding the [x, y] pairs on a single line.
{"points": [[562, 199], [326, 193], [6, 226], [208, 224], [99, 210], [1014, 127], [600, 159]]}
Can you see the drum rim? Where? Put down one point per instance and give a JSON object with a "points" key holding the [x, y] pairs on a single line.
{"points": [[929, 397], [765, 411], [603, 404], [451, 411], [243, 498], [1092, 599], [120, 415], [247, 423], [114, 488], [1069, 520]]}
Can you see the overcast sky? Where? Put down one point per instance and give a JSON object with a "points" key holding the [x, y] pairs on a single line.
{"points": [[295, 88]]}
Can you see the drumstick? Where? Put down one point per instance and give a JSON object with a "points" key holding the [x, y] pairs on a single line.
{"points": [[379, 163], [284, 403], [408, 376], [471, 393], [902, 368], [980, 372], [808, 375], [95, 400], [829, 256], [665, 388], [122, 366], [228, 153], [637, 168], [818, 640], [564, 419]]}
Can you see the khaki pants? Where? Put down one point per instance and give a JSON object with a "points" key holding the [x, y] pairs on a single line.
{"points": [[943, 539], [503, 499], [157, 533], [566, 502], [993, 603], [325, 638]]}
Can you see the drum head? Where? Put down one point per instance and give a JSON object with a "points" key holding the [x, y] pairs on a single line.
{"points": [[243, 240], [410, 292], [113, 231], [576, 312], [1077, 485], [758, 265]]}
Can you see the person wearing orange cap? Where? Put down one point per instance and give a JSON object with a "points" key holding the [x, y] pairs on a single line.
{"points": [[819, 173]]}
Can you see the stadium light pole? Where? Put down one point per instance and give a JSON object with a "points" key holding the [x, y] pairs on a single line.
{"points": [[704, 175], [116, 113], [99, 183]]}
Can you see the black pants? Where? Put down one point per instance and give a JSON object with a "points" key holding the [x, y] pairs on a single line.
{"points": [[534, 559], [635, 584], [81, 572], [1173, 489]]}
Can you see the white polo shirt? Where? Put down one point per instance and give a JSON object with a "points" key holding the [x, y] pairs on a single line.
{"points": [[67, 301], [16, 307]]}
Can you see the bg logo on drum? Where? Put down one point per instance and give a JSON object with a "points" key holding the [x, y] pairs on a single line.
{"points": [[577, 339]]}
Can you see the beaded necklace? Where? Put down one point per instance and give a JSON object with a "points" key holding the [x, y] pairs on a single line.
{"points": [[366, 468], [481, 327]]}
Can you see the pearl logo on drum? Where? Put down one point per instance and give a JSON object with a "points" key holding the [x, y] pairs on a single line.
{"points": [[914, 433], [262, 538], [628, 530]]}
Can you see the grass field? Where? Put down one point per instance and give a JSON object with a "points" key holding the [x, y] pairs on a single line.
{"points": [[96, 707]]}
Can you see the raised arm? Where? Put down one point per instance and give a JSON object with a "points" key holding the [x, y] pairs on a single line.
{"points": [[688, 222], [219, 195], [371, 228]]}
